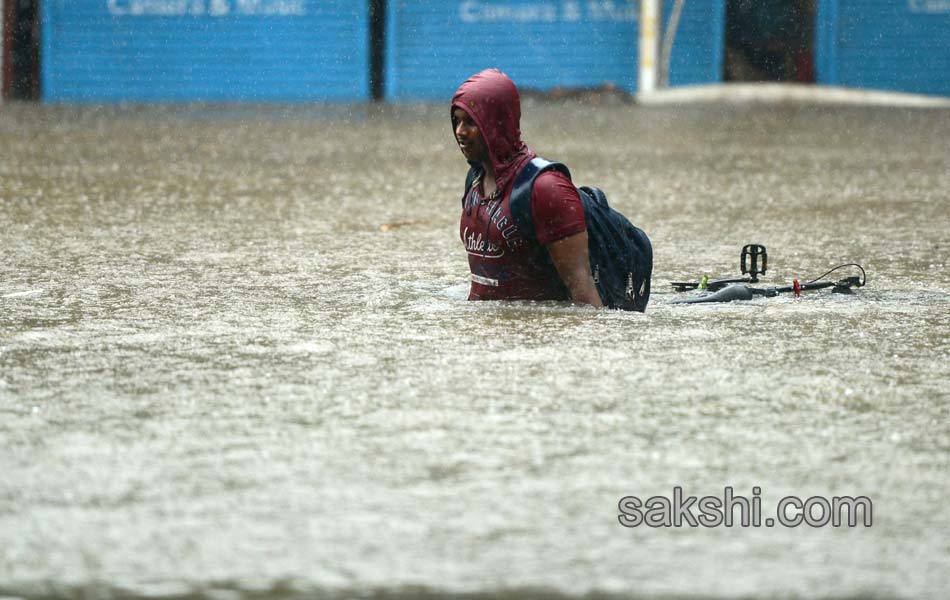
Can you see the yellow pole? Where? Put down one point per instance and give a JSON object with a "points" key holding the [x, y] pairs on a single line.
{"points": [[649, 44]]}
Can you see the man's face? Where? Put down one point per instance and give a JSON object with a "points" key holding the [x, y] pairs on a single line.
{"points": [[469, 138]]}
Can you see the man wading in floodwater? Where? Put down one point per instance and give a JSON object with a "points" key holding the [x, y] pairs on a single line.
{"points": [[486, 114]]}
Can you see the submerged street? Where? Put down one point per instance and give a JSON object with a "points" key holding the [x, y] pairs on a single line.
{"points": [[237, 359]]}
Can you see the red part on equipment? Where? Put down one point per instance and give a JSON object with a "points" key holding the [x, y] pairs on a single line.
{"points": [[798, 288]]}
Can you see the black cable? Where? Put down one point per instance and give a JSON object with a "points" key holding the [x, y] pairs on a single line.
{"points": [[864, 276]]}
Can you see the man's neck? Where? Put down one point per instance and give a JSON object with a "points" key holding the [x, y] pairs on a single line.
{"points": [[488, 180]]}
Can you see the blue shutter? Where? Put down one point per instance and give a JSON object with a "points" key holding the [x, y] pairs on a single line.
{"points": [[901, 45], [433, 45], [699, 45], [214, 50]]}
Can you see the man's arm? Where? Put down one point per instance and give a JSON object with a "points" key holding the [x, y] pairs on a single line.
{"points": [[571, 260]]}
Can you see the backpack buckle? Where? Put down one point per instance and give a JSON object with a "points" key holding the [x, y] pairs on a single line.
{"points": [[596, 274], [630, 285]]}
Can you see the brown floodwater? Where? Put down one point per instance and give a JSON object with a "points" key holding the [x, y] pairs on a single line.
{"points": [[224, 373]]}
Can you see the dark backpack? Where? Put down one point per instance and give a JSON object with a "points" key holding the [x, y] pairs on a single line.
{"points": [[621, 256]]}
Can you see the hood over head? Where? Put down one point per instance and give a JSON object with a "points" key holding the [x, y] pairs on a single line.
{"points": [[492, 100]]}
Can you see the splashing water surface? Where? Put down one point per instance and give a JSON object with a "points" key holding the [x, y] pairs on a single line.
{"points": [[220, 377]]}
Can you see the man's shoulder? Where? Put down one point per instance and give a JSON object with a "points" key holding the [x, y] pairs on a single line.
{"points": [[551, 176], [553, 184]]}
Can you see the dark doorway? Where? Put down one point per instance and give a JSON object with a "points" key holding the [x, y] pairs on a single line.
{"points": [[21, 49], [377, 48], [770, 40]]}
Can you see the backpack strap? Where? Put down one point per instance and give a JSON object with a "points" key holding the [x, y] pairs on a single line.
{"points": [[520, 200]]}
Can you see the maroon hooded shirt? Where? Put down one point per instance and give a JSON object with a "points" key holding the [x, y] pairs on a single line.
{"points": [[504, 264]]}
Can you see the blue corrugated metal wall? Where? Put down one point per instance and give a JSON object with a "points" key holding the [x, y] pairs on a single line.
{"points": [[699, 46], [168, 50], [901, 45], [433, 45]]}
